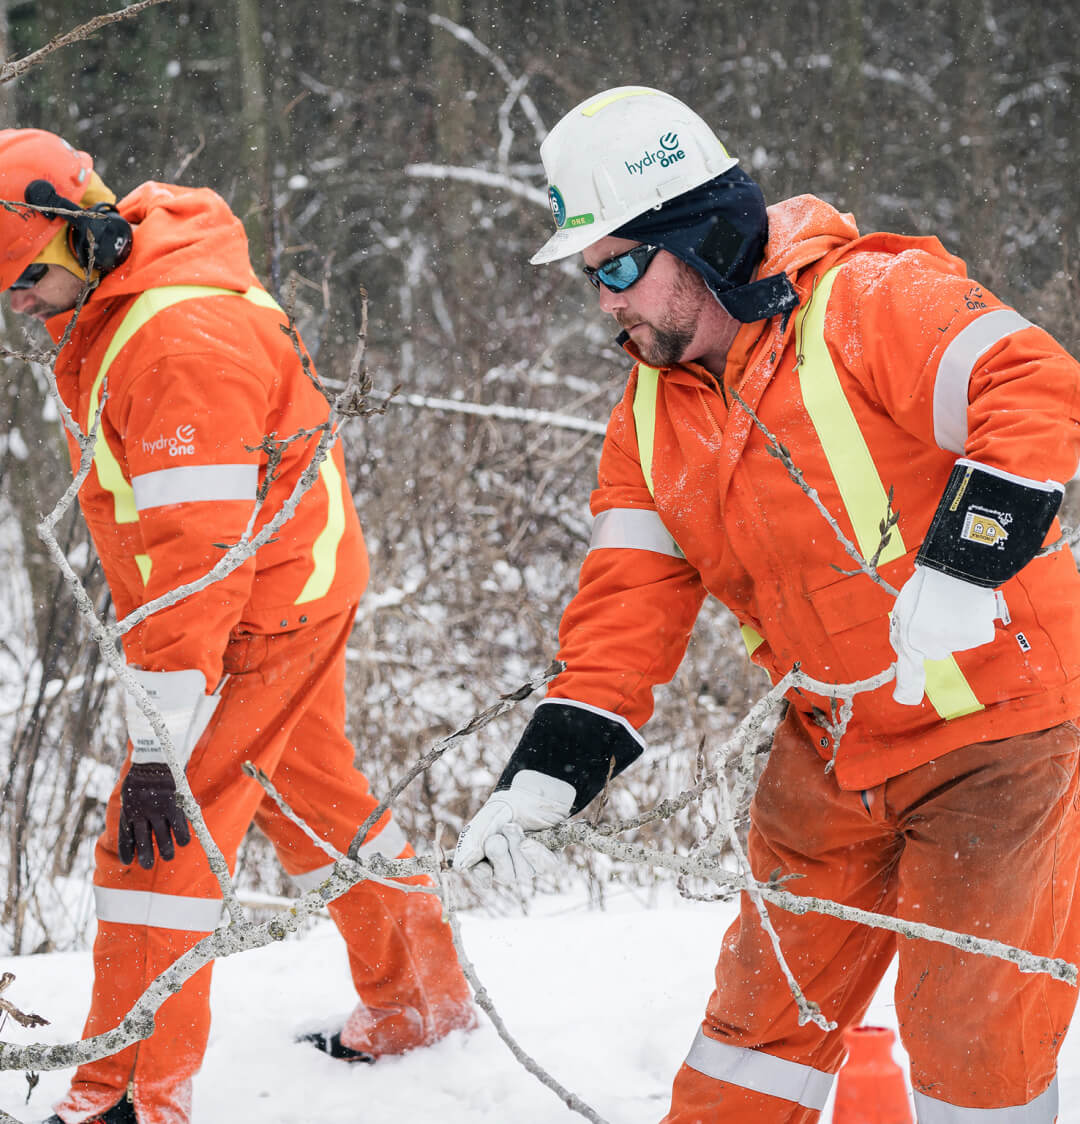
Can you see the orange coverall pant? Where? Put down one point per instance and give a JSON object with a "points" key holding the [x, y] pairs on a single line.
{"points": [[984, 840], [283, 709]]}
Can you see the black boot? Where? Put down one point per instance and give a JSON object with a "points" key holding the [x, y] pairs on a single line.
{"points": [[331, 1044]]}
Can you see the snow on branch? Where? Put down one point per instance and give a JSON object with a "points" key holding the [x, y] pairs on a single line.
{"points": [[505, 413], [515, 86], [499, 180], [711, 868]]}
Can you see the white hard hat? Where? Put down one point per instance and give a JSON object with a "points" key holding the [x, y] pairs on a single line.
{"points": [[615, 156]]}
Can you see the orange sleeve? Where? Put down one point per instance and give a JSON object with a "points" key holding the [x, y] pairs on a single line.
{"points": [[955, 366], [627, 627]]}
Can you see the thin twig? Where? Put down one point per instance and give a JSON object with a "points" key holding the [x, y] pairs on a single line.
{"points": [[808, 1010], [782, 454], [484, 1002], [327, 848], [477, 722], [12, 70]]}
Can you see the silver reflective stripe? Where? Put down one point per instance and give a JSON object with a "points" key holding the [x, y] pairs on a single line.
{"points": [[158, 911], [633, 528], [390, 842], [763, 1073], [1042, 1110], [196, 483], [954, 373]]}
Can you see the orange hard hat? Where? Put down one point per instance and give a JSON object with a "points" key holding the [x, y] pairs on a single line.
{"points": [[27, 155]]}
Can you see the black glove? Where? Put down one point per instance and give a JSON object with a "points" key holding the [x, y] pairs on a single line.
{"points": [[149, 811]]}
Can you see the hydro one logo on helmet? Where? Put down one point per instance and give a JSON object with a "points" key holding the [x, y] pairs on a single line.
{"points": [[667, 154], [558, 205], [558, 210]]}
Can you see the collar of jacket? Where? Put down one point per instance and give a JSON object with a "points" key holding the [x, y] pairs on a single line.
{"points": [[689, 373]]}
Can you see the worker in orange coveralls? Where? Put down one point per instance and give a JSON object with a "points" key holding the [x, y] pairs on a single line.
{"points": [[187, 351], [880, 366]]}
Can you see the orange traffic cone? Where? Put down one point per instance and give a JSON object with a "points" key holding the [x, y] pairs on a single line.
{"points": [[871, 1087]]}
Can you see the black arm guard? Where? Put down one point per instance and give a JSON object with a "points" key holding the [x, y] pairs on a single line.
{"points": [[575, 745], [989, 524]]}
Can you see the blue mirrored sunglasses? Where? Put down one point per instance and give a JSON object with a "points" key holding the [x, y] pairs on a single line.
{"points": [[623, 270]]}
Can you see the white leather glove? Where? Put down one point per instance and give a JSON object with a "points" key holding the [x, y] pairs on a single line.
{"points": [[493, 842], [184, 707], [935, 615]]}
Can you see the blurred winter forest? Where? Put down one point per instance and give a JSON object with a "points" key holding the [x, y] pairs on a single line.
{"points": [[392, 148]]}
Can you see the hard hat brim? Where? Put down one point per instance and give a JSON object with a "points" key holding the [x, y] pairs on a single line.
{"points": [[565, 243]]}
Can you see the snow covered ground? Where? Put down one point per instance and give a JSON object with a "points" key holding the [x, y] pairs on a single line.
{"points": [[607, 1001]]}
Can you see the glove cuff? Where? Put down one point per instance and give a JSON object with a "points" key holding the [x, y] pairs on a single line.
{"points": [[989, 524], [185, 709], [575, 743]]}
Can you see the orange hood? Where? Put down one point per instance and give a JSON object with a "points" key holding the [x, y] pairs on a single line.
{"points": [[183, 236]]}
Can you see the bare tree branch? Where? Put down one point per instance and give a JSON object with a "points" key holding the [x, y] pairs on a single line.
{"points": [[478, 722], [11, 70], [498, 180], [808, 1010], [710, 868]]}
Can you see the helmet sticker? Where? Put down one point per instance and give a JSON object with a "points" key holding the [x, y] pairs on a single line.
{"points": [[558, 209], [558, 205]]}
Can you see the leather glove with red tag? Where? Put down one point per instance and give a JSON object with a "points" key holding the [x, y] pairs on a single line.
{"points": [[149, 812]]}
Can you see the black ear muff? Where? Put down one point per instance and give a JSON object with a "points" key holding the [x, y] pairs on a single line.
{"points": [[100, 236]]}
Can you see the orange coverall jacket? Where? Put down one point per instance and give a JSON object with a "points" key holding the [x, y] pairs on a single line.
{"points": [[929, 366], [175, 475]]}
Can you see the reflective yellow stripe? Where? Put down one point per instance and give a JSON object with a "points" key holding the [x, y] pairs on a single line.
{"points": [[857, 479], [324, 552], [752, 639], [648, 379], [852, 466], [147, 305], [602, 103]]}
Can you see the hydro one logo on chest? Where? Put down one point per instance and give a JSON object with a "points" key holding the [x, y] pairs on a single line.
{"points": [[180, 445], [668, 153]]}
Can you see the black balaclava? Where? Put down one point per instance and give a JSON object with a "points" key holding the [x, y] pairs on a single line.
{"points": [[720, 230]]}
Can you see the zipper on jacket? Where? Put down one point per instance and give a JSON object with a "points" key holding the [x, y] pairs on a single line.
{"points": [[718, 429]]}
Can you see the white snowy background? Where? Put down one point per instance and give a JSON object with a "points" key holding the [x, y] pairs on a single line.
{"points": [[607, 1001]]}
